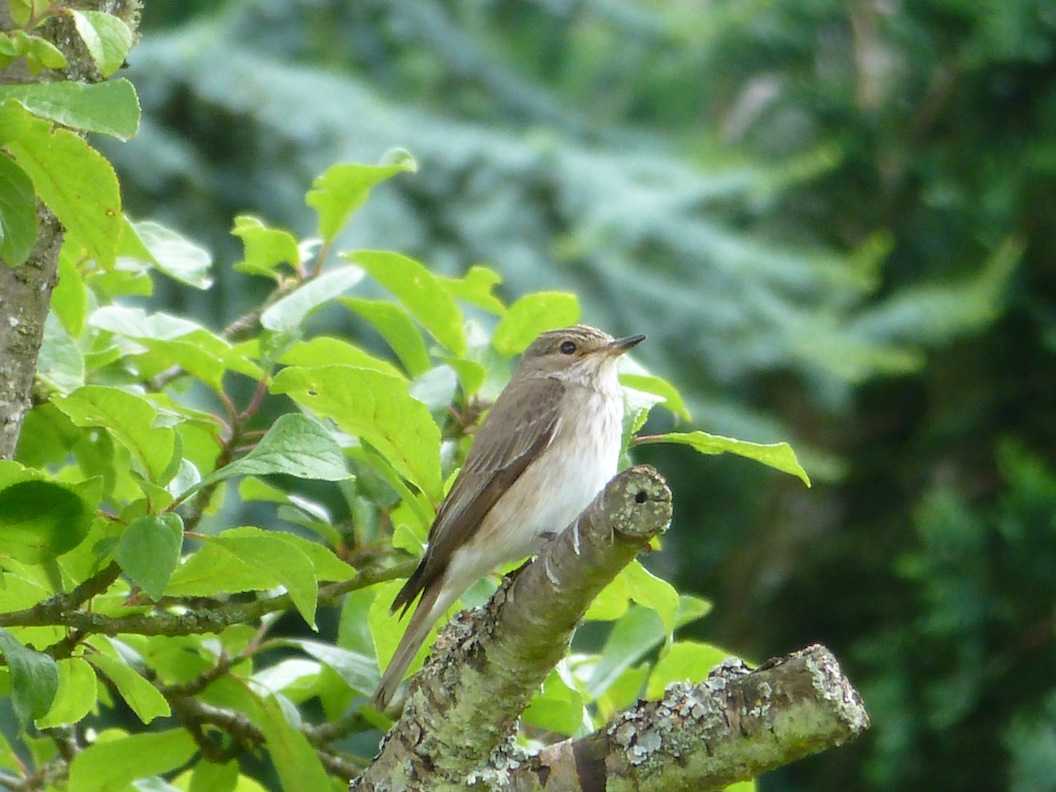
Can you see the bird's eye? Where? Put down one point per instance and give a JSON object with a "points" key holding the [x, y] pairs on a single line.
{"points": [[567, 347]]}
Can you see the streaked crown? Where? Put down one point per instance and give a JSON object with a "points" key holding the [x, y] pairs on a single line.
{"points": [[579, 348]]}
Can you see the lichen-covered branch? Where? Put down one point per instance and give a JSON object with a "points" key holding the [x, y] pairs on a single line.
{"points": [[488, 664], [465, 702], [732, 727]]}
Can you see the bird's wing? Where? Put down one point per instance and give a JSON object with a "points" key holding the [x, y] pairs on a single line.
{"points": [[518, 427]]}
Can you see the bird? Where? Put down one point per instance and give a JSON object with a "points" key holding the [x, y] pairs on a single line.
{"points": [[549, 443]]}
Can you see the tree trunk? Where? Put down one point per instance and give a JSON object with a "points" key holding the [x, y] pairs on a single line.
{"points": [[25, 290]]}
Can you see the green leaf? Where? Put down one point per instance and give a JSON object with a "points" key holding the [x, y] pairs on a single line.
{"points": [[327, 565], [557, 707], [112, 765], [76, 696], [476, 287], [21, 11], [130, 421], [211, 777], [379, 410], [73, 179], [173, 340], [647, 589], [265, 248], [168, 251], [610, 603], [685, 661], [288, 313], [18, 213], [213, 570], [531, 315], [779, 456], [42, 54], [60, 364], [419, 291], [397, 329], [34, 678], [41, 520], [658, 386], [108, 108], [69, 299], [284, 563], [324, 351], [295, 445], [639, 632], [386, 628], [295, 760], [142, 697], [344, 188], [359, 671], [149, 551], [107, 38]]}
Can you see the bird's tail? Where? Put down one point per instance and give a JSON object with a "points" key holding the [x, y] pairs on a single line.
{"points": [[430, 607]]}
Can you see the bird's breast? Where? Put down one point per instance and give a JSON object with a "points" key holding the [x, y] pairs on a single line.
{"points": [[563, 480]]}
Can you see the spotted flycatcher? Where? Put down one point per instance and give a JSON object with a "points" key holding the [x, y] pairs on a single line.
{"points": [[548, 445]]}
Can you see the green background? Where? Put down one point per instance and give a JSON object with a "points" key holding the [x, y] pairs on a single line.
{"points": [[833, 220]]}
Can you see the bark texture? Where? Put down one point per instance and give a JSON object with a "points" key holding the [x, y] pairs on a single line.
{"points": [[465, 702], [25, 290], [734, 726]]}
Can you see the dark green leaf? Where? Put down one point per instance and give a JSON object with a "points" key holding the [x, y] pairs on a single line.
{"points": [[41, 520], [635, 635], [295, 760], [295, 445], [149, 551], [34, 678], [18, 213]]}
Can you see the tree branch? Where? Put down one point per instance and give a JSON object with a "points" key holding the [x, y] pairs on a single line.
{"points": [[464, 704], [61, 609], [466, 700], [735, 725]]}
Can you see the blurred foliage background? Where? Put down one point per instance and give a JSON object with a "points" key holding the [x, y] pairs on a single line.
{"points": [[834, 220]]}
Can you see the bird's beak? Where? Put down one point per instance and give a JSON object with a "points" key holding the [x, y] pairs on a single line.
{"points": [[621, 345]]}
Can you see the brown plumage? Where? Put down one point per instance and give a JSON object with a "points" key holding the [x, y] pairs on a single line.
{"points": [[549, 443]]}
